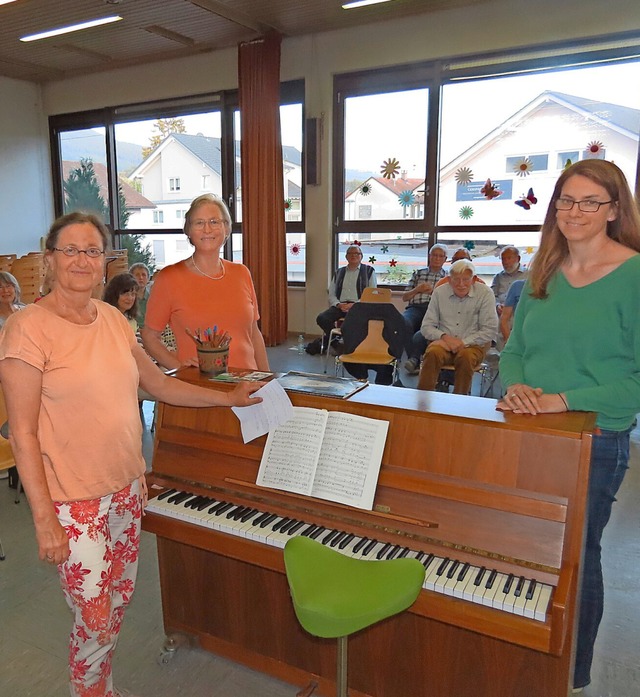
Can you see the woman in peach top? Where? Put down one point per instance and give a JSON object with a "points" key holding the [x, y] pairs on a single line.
{"points": [[70, 366]]}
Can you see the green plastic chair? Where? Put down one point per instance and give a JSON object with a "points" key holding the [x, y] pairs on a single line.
{"points": [[335, 596]]}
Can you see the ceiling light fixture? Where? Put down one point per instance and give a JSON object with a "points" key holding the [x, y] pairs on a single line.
{"points": [[6, 2], [73, 27], [360, 3]]}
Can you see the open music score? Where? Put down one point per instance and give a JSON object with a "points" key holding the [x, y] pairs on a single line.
{"points": [[329, 455]]}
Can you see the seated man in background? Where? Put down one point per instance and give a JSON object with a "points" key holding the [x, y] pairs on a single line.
{"points": [[511, 271], [509, 308], [460, 253], [460, 325], [345, 289], [418, 294]]}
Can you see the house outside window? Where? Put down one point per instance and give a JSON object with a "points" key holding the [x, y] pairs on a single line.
{"points": [[174, 184], [158, 217]]}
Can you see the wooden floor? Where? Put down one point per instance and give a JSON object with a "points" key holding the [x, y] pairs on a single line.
{"points": [[35, 622]]}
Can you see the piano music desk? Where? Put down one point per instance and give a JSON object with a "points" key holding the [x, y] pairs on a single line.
{"points": [[506, 492]]}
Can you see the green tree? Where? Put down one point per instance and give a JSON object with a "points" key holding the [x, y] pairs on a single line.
{"points": [[138, 252], [164, 127], [82, 191]]}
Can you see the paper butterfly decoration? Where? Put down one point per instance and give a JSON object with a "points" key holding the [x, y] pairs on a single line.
{"points": [[527, 201], [490, 190]]}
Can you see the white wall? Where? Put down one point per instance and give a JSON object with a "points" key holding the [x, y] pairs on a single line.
{"points": [[466, 30], [26, 201]]}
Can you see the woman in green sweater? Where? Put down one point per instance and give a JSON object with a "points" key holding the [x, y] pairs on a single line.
{"points": [[575, 344]]}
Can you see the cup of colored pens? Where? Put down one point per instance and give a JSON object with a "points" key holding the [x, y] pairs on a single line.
{"points": [[213, 350]]}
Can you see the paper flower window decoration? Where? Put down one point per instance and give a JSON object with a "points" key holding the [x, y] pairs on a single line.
{"points": [[490, 191], [357, 244], [527, 201], [465, 212], [529, 250], [372, 260], [365, 189], [469, 244], [295, 249], [406, 198], [390, 168], [287, 204], [464, 176], [594, 148], [384, 248], [393, 262], [523, 167]]}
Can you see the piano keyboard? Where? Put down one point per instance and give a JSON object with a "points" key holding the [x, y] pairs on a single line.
{"points": [[481, 585]]}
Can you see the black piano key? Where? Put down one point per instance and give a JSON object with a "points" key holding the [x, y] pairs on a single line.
{"points": [[531, 590], [231, 514], [294, 528], [508, 583], [369, 547], [280, 523], [443, 565], [480, 575], [308, 530], [360, 544], [463, 571], [206, 501], [317, 532], [453, 568], [179, 497], [224, 509], [260, 518], [346, 540], [491, 580], [383, 550], [268, 520], [518, 591], [216, 506], [337, 538], [393, 551], [329, 536], [238, 515], [194, 502], [247, 515], [165, 494], [403, 552]]}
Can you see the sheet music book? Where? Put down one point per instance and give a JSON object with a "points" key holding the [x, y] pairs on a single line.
{"points": [[327, 454]]}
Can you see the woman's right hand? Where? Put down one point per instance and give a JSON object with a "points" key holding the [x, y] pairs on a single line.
{"points": [[53, 543], [521, 399], [241, 395]]}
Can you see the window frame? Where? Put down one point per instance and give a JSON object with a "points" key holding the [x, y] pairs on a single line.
{"points": [[434, 75], [109, 117]]}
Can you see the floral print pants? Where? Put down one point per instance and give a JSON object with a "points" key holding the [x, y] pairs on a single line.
{"points": [[98, 580]]}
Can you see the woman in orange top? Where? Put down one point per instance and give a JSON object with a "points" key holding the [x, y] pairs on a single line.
{"points": [[205, 291]]}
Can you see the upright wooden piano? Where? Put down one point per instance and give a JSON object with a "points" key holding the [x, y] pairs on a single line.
{"points": [[462, 487]]}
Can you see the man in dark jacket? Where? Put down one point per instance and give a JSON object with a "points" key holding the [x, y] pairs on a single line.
{"points": [[345, 289]]}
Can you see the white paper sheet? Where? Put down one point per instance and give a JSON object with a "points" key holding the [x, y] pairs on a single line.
{"points": [[274, 410]]}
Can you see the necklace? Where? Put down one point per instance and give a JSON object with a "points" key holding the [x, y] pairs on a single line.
{"points": [[213, 278]]}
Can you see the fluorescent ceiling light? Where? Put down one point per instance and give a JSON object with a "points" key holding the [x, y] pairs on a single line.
{"points": [[6, 2], [360, 3], [73, 27]]}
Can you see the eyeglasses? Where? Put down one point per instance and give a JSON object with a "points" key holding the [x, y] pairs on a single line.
{"points": [[201, 224], [92, 252], [586, 206]]}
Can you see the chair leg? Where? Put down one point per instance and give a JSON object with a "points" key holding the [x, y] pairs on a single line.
{"points": [[341, 676], [1, 552]]}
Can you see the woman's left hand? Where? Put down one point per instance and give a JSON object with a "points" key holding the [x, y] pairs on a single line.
{"points": [[242, 394]]}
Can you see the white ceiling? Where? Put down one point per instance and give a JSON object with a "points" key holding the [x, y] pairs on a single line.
{"points": [[154, 30]]}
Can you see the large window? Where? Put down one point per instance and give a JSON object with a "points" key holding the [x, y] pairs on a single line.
{"points": [[140, 166], [466, 152]]}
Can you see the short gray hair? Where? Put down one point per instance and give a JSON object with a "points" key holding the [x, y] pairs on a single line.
{"points": [[200, 201], [460, 266], [10, 279], [439, 245]]}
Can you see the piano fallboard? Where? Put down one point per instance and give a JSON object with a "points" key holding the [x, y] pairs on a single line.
{"points": [[458, 480]]}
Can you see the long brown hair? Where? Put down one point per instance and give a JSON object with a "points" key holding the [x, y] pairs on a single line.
{"points": [[625, 228]]}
